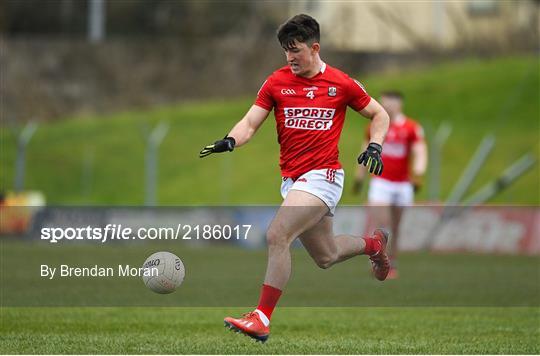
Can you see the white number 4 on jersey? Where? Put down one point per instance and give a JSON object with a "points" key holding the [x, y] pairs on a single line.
{"points": [[310, 94]]}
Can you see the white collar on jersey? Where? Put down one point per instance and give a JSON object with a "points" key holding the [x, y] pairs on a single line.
{"points": [[323, 67]]}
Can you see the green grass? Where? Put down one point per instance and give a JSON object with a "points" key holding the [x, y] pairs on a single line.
{"points": [[443, 303], [294, 331], [449, 304], [477, 97], [446, 303], [456, 280]]}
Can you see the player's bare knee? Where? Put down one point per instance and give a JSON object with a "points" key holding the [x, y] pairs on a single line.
{"points": [[276, 238], [326, 261]]}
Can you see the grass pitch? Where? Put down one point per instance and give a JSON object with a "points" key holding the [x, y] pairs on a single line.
{"points": [[442, 304], [294, 331], [228, 276]]}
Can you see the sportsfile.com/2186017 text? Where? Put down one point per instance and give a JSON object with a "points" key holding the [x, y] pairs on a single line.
{"points": [[119, 232]]}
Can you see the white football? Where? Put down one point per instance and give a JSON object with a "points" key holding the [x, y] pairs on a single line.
{"points": [[164, 272]]}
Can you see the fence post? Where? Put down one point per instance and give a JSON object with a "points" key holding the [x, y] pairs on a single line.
{"points": [[20, 163], [96, 20], [472, 169], [151, 162], [435, 152]]}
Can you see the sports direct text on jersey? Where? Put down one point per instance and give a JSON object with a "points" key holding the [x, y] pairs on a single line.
{"points": [[309, 118]]}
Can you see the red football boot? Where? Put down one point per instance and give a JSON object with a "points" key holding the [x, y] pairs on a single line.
{"points": [[380, 263], [251, 325]]}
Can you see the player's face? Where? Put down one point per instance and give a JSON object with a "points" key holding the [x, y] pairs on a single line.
{"points": [[391, 105], [302, 58]]}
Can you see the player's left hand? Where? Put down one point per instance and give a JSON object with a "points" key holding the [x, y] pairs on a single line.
{"points": [[227, 144], [371, 158]]}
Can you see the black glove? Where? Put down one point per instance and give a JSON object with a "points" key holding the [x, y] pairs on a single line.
{"points": [[416, 182], [227, 144], [371, 158]]}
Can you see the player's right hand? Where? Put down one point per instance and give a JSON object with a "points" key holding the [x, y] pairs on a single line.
{"points": [[227, 144], [371, 158]]}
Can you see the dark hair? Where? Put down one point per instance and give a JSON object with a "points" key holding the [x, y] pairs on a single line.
{"points": [[393, 94], [302, 28]]}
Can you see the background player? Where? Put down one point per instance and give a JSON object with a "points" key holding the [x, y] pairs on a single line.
{"points": [[309, 99], [404, 148]]}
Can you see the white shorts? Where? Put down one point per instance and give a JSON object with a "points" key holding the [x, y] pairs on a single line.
{"points": [[326, 184], [382, 191]]}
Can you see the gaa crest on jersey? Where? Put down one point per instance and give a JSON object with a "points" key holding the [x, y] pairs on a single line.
{"points": [[288, 91], [332, 91]]}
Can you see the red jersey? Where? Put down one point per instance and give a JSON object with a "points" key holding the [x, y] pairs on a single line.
{"points": [[310, 113], [402, 134]]}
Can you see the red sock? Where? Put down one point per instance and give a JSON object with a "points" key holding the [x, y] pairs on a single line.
{"points": [[268, 300], [372, 246]]}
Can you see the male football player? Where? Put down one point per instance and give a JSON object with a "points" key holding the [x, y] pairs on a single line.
{"points": [[404, 150], [309, 99]]}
